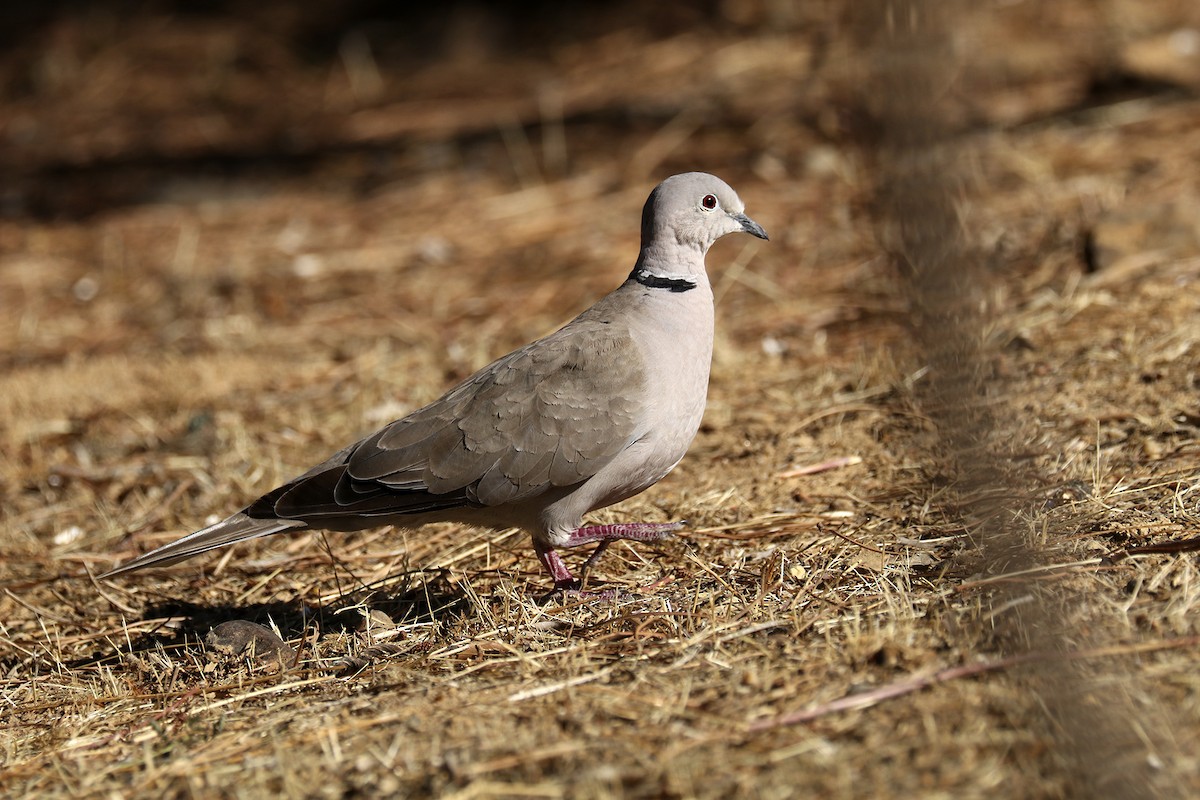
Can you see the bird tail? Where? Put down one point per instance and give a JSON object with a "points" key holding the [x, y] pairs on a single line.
{"points": [[237, 528]]}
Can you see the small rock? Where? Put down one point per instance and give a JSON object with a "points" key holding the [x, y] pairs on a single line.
{"points": [[240, 638], [86, 289]]}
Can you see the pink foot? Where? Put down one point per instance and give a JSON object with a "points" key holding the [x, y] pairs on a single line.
{"points": [[638, 531], [552, 562], [564, 581]]}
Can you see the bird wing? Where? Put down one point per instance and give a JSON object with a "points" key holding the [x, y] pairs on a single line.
{"points": [[551, 414]]}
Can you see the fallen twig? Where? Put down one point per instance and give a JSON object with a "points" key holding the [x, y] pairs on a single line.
{"points": [[824, 466]]}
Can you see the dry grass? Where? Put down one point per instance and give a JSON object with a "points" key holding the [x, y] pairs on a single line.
{"points": [[939, 541]]}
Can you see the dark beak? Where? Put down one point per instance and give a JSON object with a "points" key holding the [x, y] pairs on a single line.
{"points": [[750, 226]]}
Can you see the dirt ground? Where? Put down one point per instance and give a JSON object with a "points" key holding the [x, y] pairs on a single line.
{"points": [[943, 507]]}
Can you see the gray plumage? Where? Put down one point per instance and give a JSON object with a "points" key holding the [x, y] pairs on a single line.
{"points": [[583, 418]]}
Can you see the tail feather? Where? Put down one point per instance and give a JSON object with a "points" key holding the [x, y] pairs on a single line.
{"points": [[238, 528]]}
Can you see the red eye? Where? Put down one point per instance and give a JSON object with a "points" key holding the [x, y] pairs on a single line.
{"points": [[709, 202]]}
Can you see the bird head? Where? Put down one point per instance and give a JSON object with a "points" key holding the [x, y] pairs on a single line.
{"points": [[693, 210]]}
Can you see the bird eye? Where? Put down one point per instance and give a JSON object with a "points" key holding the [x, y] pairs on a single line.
{"points": [[709, 202]]}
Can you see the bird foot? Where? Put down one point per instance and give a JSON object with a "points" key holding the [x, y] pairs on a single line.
{"points": [[567, 584], [575, 592], [564, 582], [637, 531]]}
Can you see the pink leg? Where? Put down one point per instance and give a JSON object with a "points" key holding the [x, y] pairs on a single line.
{"points": [[605, 535], [552, 562]]}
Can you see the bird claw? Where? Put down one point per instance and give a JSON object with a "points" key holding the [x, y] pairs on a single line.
{"points": [[566, 584], [574, 590]]}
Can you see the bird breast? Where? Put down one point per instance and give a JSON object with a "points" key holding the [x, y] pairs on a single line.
{"points": [[674, 337]]}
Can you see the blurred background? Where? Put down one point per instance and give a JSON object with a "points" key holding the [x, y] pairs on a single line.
{"points": [[356, 140]]}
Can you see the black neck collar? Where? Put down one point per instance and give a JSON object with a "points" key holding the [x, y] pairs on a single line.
{"points": [[652, 281]]}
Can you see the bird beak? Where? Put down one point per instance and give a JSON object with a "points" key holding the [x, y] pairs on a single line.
{"points": [[750, 226]]}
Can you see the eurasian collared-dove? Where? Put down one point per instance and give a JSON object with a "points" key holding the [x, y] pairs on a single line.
{"points": [[590, 415]]}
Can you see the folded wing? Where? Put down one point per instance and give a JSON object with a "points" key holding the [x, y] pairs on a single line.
{"points": [[551, 414]]}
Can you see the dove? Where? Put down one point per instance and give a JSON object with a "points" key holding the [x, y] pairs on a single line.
{"points": [[583, 418]]}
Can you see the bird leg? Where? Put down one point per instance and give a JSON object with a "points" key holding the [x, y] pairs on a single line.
{"points": [[552, 562], [605, 535]]}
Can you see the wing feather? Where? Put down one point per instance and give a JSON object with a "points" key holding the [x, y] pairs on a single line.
{"points": [[549, 415]]}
